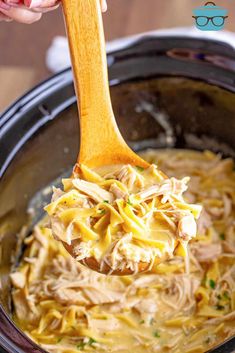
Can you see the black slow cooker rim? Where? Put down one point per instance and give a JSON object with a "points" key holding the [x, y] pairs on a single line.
{"points": [[65, 75], [45, 90]]}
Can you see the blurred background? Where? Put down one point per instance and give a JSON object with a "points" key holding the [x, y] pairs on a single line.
{"points": [[23, 47]]}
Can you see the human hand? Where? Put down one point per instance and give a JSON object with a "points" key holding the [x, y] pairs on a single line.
{"points": [[29, 11]]}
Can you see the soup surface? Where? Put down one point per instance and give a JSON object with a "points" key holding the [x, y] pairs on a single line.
{"points": [[67, 308]]}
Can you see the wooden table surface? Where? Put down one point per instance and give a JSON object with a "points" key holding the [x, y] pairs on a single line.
{"points": [[23, 47]]}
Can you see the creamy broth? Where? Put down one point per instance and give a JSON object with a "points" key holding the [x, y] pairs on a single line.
{"points": [[67, 308]]}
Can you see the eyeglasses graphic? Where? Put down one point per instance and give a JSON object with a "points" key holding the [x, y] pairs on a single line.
{"points": [[210, 17], [217, 21]]}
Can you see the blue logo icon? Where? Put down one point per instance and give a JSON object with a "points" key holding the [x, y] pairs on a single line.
{"points": [[210, 17]]}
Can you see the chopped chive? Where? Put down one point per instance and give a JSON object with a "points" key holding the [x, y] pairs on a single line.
{"points": [[140, 169], [91, 341], [102, 212], [142, 322], [156, 334], [59, 339], [81, 346], [226, 295], [222, 236], [212, 283], [129, 202], [105, 201]]}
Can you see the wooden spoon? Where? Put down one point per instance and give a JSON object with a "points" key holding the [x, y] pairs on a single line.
{"points": [[100, 140]]}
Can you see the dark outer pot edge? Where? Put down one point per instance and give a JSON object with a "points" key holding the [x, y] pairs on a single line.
{"points": [[19, 107]]}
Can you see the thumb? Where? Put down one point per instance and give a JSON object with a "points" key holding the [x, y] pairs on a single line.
{"points": [[21, 14]]}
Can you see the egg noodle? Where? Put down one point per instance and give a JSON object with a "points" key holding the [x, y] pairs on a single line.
{"points": [[122, 216], [67, 308]]}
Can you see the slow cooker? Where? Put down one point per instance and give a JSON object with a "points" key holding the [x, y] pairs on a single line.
{"points": [[188, 82]]}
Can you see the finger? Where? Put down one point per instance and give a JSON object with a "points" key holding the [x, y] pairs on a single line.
{"points": [[103, 5], [4, 6], [4, 17], [32, 4], [48, 3], [44, 10], [13, 2], [21, 14], [16, 3]]}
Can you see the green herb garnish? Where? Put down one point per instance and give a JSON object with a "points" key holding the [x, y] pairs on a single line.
{"points": [[142, 322], [81, 346], [106, 201], [129, 202], [156, 334], [226, 295], [59, 339], [222, 236], [102, 212], [140, 169], [212, 283], [91, 341]]}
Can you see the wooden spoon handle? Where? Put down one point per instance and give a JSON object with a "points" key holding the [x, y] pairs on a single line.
{"points": [[101, 141], [88, 54]]}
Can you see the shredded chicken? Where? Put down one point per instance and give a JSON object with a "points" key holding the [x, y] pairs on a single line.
{"points": [[206, 252], [187, 228], [95, 192], [123, 213], [204, 222], [18, 279], [117, 192]]}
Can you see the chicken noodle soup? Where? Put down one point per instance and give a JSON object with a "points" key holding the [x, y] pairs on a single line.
{"points": [[122, 216], [67, 308]]}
